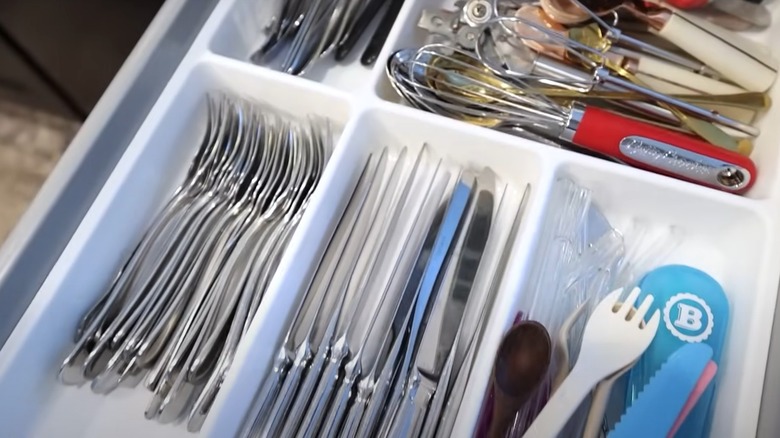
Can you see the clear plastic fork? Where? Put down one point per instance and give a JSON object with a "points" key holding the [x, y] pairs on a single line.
{"points": [[614, 337]]}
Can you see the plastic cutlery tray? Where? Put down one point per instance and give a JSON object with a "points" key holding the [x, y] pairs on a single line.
{"points": [[735, 239]]}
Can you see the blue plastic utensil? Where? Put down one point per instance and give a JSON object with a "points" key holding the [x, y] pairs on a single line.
{"points": [[694, 309], [654, 412]]}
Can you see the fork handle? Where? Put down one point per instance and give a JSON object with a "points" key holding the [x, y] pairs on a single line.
{"points": [[561, 406]]}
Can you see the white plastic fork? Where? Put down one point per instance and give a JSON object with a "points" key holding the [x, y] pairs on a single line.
{"points": [[613, 338]]}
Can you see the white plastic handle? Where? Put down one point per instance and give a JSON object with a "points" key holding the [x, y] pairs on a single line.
{"points": [[730, 54], [562, 405], [693, 82]]}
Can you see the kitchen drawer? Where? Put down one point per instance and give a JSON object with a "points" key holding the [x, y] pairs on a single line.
{"points": [[735, 239], [39, 237]]}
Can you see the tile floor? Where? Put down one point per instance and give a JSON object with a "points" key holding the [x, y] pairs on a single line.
{"points": [[31, 143]]}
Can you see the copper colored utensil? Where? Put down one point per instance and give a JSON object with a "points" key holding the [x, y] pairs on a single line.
{"points": [[521, 364]]}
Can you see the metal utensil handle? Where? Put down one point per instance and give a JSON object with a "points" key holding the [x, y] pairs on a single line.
{"points": [[409, 420], [295, 415], [316, 412], [682, 61], [286, 394], [352, 423], [602, 75], [338, 408], [379, 399]]}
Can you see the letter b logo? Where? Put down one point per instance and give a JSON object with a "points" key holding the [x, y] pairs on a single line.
{"points": [[688, 317]]}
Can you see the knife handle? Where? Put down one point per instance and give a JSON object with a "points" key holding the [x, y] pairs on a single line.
{"points": [[338, 407], [356, 411], [669, 72], [378, 401], [358, 28], [278, 412], [410, 419], [319, 402], [402, 422], [379, 37]]}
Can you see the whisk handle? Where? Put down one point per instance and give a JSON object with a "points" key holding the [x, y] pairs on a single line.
{"points": [[660, 150]]}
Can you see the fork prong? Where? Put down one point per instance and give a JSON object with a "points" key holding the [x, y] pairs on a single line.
{"points": [[642, 310], [652, 325], [611, 300], [628, 304]]}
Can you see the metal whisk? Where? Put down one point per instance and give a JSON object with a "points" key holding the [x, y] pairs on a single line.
{"points": [[452, 82], [455, 83]]}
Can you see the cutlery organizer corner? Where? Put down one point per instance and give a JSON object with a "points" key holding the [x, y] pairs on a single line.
{"points": [[733, 239]]}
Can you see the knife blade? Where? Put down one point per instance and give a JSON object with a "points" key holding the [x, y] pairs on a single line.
{"points": [[448, 309]]}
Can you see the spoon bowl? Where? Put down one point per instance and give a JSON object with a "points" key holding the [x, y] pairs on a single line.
{"points": [[522, 362]]}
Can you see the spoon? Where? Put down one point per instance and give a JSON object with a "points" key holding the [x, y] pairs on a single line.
{"points": [[521, 364]]}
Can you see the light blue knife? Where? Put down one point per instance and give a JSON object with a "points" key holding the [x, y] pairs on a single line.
{"points": [[654, 412]]}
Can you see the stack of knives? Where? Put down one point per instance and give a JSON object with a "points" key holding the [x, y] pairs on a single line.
{"points": [[384, 339]]}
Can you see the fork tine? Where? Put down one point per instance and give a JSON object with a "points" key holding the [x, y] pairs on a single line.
{"points": [[642, 310], [612, 299], [652, 325], [628, 304]]}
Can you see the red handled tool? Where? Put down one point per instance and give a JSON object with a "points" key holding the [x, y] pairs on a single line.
{"points": [[659, 150]]}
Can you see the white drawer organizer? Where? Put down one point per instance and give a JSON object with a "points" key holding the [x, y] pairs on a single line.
{"points": [[733, 238]]}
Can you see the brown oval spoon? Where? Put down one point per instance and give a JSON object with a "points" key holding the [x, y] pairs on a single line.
{"points": [[521, 364]]}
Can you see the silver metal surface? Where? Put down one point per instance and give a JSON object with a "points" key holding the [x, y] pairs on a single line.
{"points": [[352, 344], [441, 250], [351, 304], [475, 320], [603, 75], [180, 305], [434, 358], [311, 353], [684, 163], [573, 122], [271, 388], [374, 387]]}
